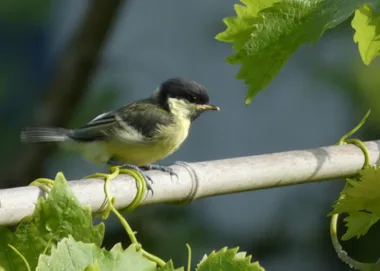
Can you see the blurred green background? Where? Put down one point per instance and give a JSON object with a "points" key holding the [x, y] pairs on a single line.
{"points": [[125, 49]]}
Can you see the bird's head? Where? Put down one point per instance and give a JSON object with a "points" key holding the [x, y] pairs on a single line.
{"points": [[184, 98]]}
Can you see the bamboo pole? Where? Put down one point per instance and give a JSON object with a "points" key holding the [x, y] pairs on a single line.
{"points": [[205, 179]]}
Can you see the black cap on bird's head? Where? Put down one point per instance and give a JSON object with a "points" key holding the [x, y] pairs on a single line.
{"points": [[187, 90]]}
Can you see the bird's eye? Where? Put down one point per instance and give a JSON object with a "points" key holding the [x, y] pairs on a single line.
{"points": [[191, 98]]}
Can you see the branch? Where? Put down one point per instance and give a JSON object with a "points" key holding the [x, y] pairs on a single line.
{"points": [[69, 83], [204, 179]]}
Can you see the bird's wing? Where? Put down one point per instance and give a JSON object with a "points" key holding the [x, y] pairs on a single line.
{"points": [[133, 120]]}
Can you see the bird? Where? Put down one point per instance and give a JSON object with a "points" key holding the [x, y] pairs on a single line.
{"points": [[139, 134]]}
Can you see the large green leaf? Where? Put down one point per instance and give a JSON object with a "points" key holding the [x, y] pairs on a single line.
{"points": [[56, 217], [361, 200], [367, 35], [266, 33], [72, 255]]}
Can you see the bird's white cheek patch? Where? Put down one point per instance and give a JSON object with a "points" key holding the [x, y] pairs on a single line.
{"points": [[180, 108]]}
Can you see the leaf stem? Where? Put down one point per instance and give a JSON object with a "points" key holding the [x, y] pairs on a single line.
{"points": [[112, 208], [48, 245], [153, 258], [141, 188], [21, 256], [189, 257]]}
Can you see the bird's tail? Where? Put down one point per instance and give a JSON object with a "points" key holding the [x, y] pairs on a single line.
{"points": [[35, 135]]}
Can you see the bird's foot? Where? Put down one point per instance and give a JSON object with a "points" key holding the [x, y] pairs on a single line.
{"points": [[160, 168], [148, 180]]}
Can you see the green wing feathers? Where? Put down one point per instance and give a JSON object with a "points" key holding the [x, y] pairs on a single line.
{"points": [[143, 116]]}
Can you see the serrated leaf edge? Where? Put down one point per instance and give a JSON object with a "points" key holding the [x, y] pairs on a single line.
{"points": [[242, 255]]}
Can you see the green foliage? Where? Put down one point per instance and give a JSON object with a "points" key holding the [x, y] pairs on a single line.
{"points": [[54, 218], [367, 35], [228, 259], [92, 267], [60, 236], [361, 200], [170, 267], [266, 33], [364, 83], [73, 255]]}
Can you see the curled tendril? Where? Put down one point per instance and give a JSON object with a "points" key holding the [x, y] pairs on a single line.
{"points": [[334, 219], [44, 183], [343, 254], [355, 129], [110, 201], [113, 172], [141, 189]]}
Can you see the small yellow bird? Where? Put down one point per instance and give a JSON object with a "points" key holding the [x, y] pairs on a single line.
{"points": [[139, 134]]}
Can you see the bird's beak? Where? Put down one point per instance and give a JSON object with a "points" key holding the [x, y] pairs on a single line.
{"points": [[206, 107]]}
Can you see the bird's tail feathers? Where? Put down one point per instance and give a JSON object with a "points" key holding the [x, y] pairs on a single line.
{"points": [[35, 135]]}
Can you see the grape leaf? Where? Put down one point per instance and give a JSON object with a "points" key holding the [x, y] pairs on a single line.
{"points": [[358, 224], [367, 35], [54, 218], [170, 267], [72, 255], [266, 33], [239, 28], [228, 259], [361, 200]]}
